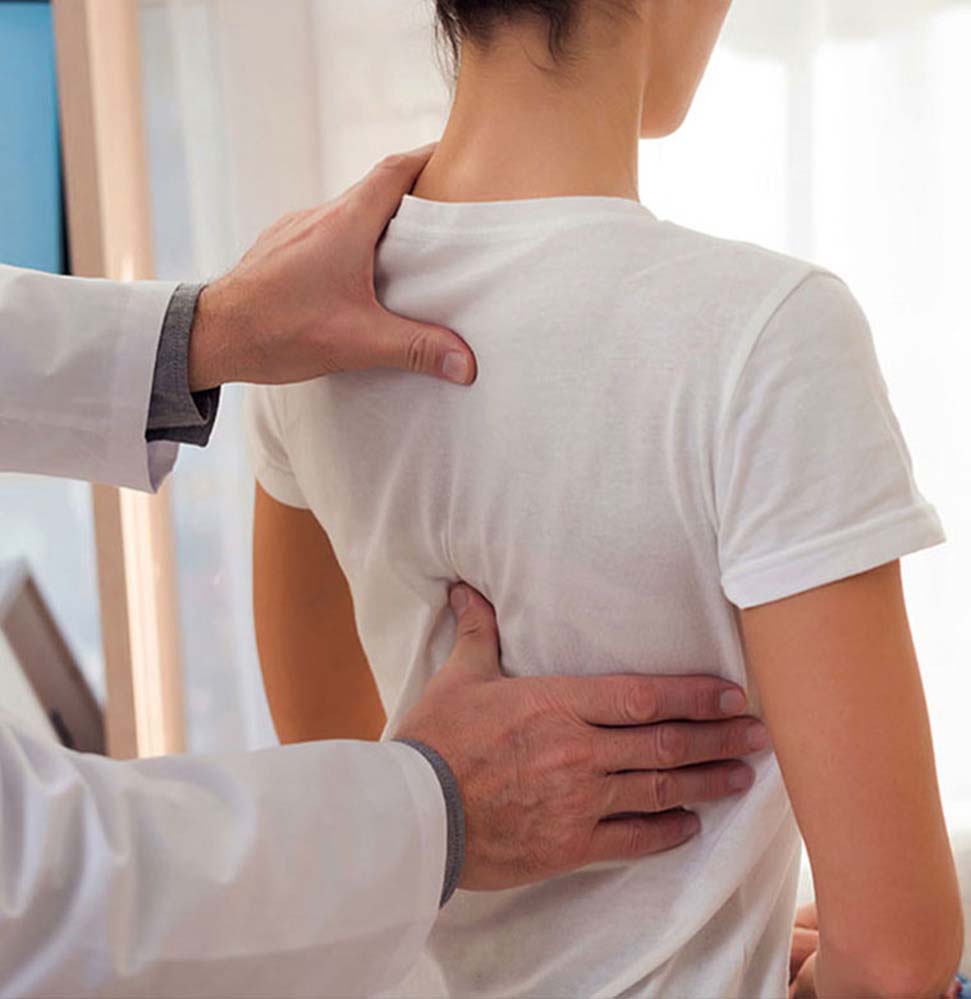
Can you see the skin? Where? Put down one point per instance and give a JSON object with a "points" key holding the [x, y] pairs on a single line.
{"points": [[304, 614], [301, 302], [626, 76], [842, 696], [542, 763]]}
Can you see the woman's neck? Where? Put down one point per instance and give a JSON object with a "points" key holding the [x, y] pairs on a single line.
{"points": [[520, 129]]}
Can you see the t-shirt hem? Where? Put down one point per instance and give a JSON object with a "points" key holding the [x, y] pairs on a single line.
{"points": [[836, 556], [280, 485]]}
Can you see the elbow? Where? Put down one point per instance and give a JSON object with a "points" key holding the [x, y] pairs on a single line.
{"points": [[915, 981], [913, 966], [922, 966]]}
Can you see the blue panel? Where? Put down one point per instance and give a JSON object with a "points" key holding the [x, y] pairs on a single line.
{"points": [[31, 233]]}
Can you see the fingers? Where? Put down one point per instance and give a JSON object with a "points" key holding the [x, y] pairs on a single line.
{"points": [[804, 986], [804, 943], [806, 915], [638, 700], [376, 197], [476, 650], [419, 347], [677, 744], [639, 836], [384, 339], [661, 790]]}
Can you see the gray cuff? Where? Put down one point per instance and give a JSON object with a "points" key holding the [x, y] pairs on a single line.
{"points": [[174, 413], [454, 812]]}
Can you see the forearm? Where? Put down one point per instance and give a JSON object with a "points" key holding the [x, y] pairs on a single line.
{"points": [[842, 697], [838, 974], [75, 378], [901, 937], [169, 876], [889, 912]]}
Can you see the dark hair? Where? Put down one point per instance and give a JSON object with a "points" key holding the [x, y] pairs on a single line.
{"points": [[475, 20]]}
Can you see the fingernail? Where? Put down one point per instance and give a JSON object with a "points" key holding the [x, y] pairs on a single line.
{"points": [[459, 598], [740, 778], [758, 736], [732, 702], [690, 825], [455, 367]]}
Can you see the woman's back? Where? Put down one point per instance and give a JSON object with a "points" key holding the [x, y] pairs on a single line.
{"points": [[665, 426]]}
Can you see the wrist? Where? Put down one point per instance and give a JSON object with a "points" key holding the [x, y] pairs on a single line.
{"points": [[207, 339]]}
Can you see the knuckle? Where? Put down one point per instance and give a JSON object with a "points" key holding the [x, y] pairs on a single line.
{"points": [[577, 807], [297, 220], [638, 838], [663, 791], [474, 626], [337, 212], [420, 352], [672, 746], [639, 702], [469, 626], [392, 162], [574, 754]]}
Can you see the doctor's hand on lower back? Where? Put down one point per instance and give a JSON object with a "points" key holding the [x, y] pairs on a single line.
{"points": [[559, 772], [301, 303]]}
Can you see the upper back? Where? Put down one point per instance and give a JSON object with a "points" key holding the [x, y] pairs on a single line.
{"points": [[572, 484], [664, 426]]}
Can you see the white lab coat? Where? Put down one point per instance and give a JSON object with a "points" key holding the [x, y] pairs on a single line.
{"points": [[304, 871]]}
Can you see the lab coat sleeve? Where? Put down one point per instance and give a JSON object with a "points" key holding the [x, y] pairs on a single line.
{"points": [[77, 359], [311, 870]]}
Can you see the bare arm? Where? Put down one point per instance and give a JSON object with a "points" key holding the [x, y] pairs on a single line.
{"points": [[843, 701], [317, 677]]}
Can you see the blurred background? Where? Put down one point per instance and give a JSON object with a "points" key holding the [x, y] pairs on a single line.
{"points": [[836, 130]]}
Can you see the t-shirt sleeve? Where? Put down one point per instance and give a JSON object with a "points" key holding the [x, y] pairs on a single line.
{"points": [[813, 480], [267, 448]]}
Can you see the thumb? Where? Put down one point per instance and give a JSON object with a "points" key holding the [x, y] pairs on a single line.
{"points": [[423, 348], [475, 654]]}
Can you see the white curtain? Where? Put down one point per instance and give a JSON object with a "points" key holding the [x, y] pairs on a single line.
{"points": [[836, 130], [254, 108]]}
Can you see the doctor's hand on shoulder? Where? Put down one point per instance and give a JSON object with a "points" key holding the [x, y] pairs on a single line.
{"points": [[301, 303]]}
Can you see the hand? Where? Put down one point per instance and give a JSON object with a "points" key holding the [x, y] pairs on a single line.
{"points": [[558, 772], [301, 303], [803, 986], [802, 958]]}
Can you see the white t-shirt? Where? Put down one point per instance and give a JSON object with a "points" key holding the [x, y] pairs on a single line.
{"points": [[664, 425]]}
